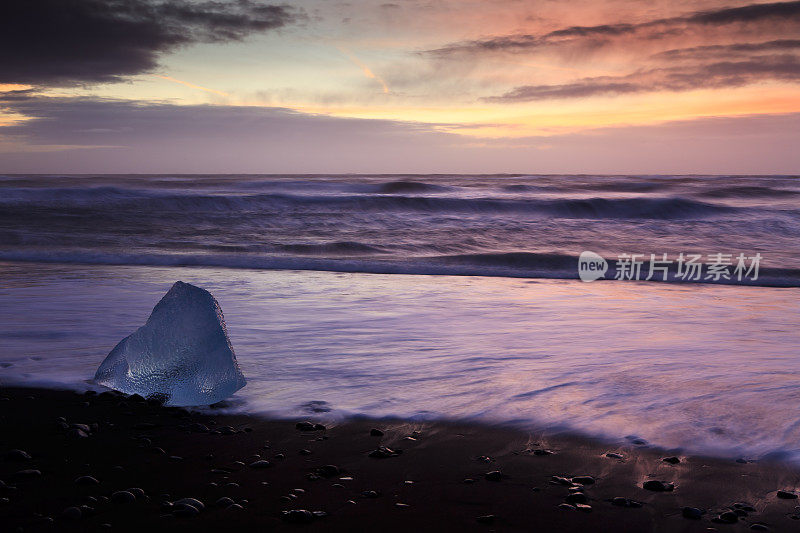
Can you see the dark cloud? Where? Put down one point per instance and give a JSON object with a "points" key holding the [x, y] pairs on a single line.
{"points": [[778, 12], [728, 50], [66, 42], [706, 76]]}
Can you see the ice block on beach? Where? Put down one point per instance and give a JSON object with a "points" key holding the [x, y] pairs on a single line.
{"points": [[181, 356]]}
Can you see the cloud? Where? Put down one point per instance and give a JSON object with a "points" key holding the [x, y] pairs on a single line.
{"points": [[705, 76], [69, 42], [769, 17], [728, 50]]}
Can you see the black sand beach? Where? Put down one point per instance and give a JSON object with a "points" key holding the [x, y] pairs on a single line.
{"points": [[96, 462]]}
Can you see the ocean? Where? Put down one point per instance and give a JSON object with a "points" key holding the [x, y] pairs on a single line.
{"points": [[433, 296]]}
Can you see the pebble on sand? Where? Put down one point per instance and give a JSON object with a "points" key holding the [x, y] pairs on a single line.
{"points": [[671, 460], [123, 496], [692, 513], [619, 501], [577, 497], [328, 470], [309, 426], [32, 473], [17, 455], [658, 486], [87, 480], [298, 516], [382, 452], [194, 502], [71, 513], [786, 495], [494, 475], [728, 517]]}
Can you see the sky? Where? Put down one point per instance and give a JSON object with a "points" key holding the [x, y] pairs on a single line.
{"points": [[401, 86]]}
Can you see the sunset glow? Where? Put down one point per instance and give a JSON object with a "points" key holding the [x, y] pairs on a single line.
{"points": [[478, 72]]}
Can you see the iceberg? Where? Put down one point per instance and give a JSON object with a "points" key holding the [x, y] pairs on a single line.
{"points": [[181, 356]]}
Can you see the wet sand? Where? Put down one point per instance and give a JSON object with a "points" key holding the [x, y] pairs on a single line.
{"points": [[83, 462]]}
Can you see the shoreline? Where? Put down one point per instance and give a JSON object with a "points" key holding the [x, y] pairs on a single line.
{"points": [[429, 476]]}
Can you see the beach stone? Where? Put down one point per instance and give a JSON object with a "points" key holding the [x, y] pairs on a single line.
{"points": [[194, 502], [305, 452], [298, 516], [71, 513], [619, 501], [494, 475], [744, 507], [123, 496], [86, 510], [542, 452], [484, 459], [576, 497], [671, 460], [77, 433], [759, 527], [183, 510], [17, 455], [786, 495], [612, 455], [234, 507], [728, 517], [261, 463], [658, 486], [692, 513], [328, 471], [137, 492], [583, 480], [27, 474], [583, 507], [485, 519], [374, 432], [567, 507], [87, 480], [226, 430], [197, 427], [382, 452], [559, 480], [370, 494]]}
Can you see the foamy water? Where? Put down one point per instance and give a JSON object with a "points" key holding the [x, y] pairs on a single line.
{"points": [[711, 369]]}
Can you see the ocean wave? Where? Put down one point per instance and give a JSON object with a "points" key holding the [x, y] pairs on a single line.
{"points": [[115, 198], [506, 264], [748, 191], [394, 187]]}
